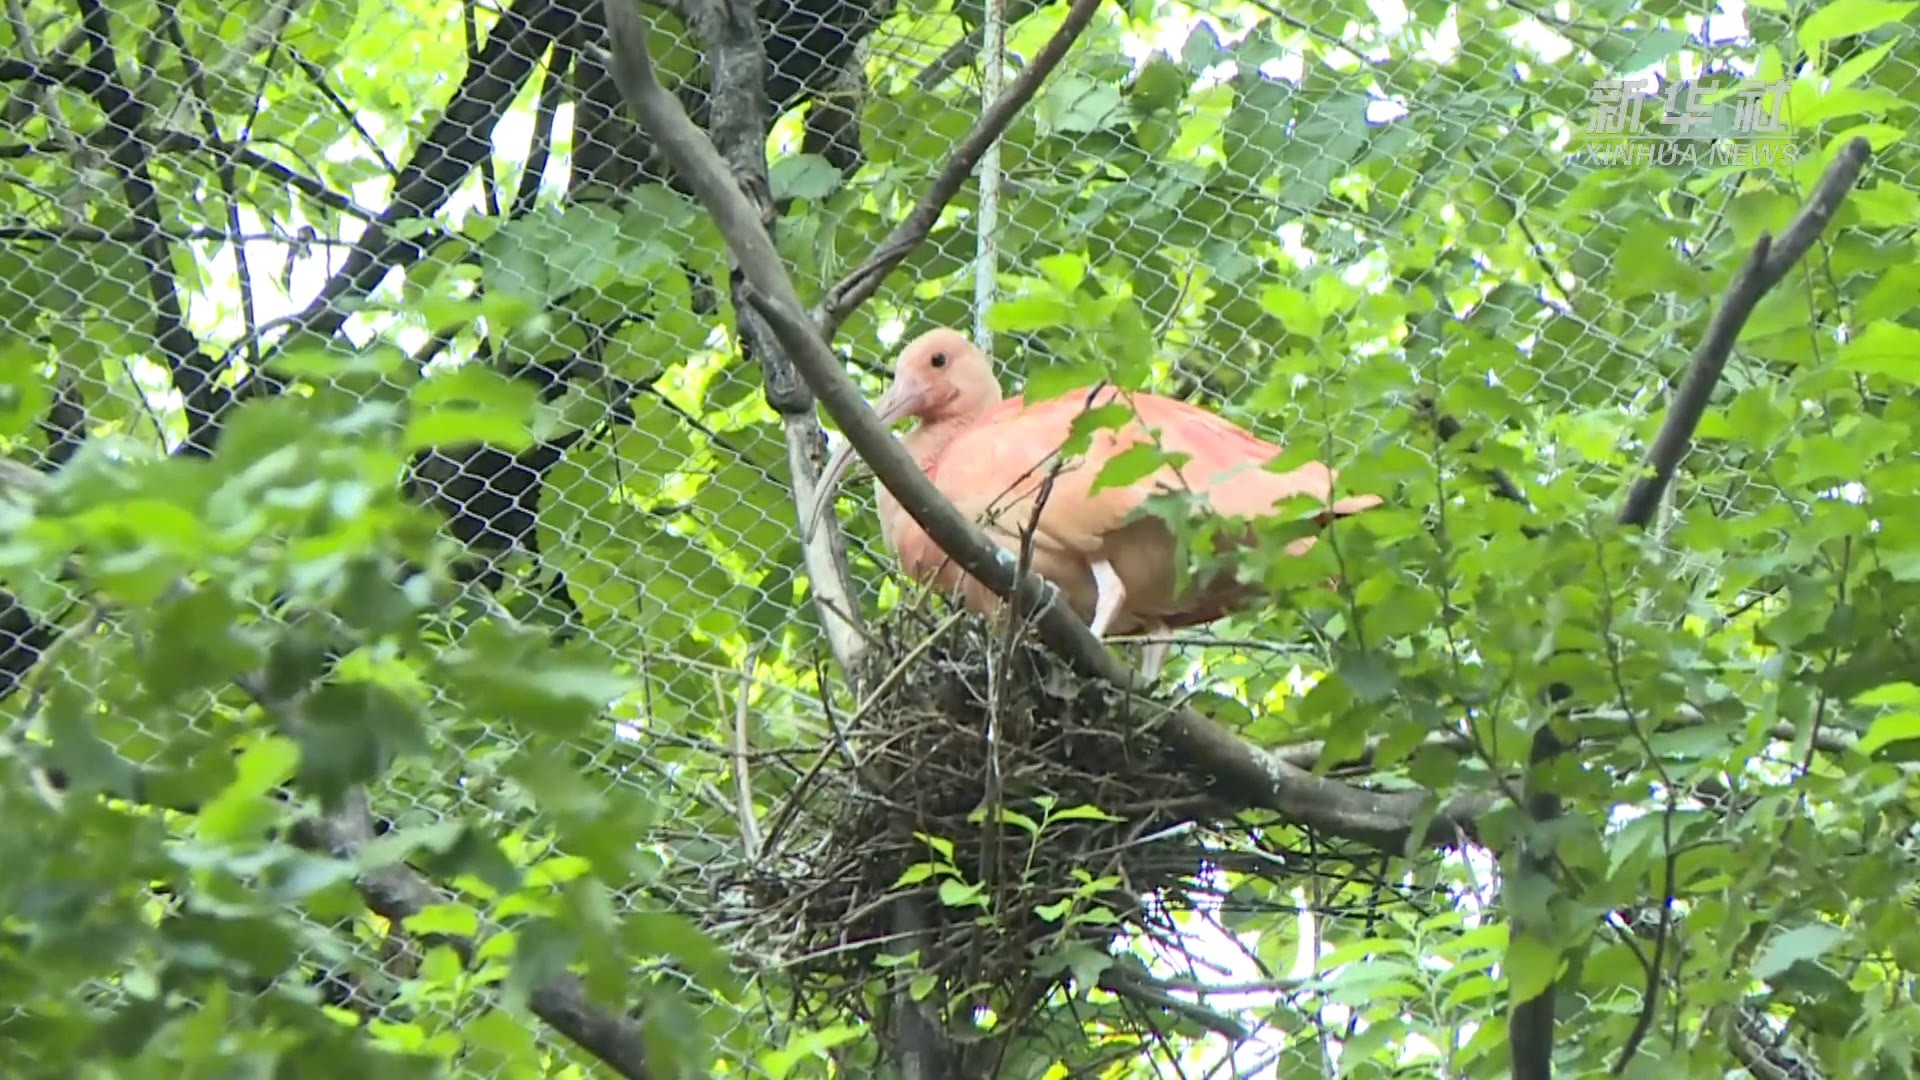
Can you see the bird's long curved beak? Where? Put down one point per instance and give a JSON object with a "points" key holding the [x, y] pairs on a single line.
{"points": [[890, 408]]}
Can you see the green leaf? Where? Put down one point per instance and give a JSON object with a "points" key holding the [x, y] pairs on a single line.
{"points": [[1257, 128], [542, 950], [1369, 675], [1083, 812], [1652, 49], [256, 945], [472, 403], [402, 844], [1088, 964], [1884, 348], [499, 1043], [1113, 416], [1295, 309], [24, 392], [586, 245], [671, 934], [1846, 18], [1065, 269], [1893, 727], [1531, 967], [803, 176], [1893, 693], [502, 310], [240, 809], [471, 853], [1160, 85], [811, 1043], [1134, 464], [914, 874], [1035, 311], [302, 875], [197, 643], [351, 732], [1009, 816], [1051, 382], [512, 673], [1054, 912], [1789, 947], [1754, 212], [959, 893], [1075, 104], [1201, 50], [1896, 293], [1885, 205], [1851, 72], [455, 919], [90, 762]]}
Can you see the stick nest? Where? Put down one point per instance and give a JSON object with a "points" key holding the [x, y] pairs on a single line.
{"points": [[909, 784]]}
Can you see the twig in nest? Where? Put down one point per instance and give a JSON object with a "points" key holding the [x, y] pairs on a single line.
{"points": [[886, 685]]}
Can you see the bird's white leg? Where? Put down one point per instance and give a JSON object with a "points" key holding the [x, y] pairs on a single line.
{"points": [[1154, 653], [1111, 594]]}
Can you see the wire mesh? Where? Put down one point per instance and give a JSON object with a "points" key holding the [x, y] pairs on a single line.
{"points": [[1249, 208]]}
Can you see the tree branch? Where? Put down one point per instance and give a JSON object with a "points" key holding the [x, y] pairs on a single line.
{"points": [[864, 280], [397, 892], [124, 134], [86, 79], [1531, 1028], [177, 142], [1311, 755], [736, 58], [457, 142], [540, 147], [93, 234], [1764, 268], [1134, 984], [737, 118], [1238, 770]]}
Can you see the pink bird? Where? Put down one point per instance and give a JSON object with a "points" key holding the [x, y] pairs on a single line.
{"points": [[1113, 566]]}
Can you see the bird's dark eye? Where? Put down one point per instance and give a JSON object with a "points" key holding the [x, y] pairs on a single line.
{"points": [[939, 359]]}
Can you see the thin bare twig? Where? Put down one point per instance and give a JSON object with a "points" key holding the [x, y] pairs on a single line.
{"points": [[317, 75], [787, 810], [864, 280]]}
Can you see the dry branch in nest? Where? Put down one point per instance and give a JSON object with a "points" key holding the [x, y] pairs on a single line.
{"points": [[960, 719]]}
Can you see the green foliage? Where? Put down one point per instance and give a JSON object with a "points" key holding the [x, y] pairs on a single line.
{"points": [[1307, 220]]}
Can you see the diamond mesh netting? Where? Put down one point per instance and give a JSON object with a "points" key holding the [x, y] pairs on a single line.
{"points": [[232, 229]]}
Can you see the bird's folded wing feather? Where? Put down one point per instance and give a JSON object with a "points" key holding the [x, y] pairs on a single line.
{"points": [[994, 471]]}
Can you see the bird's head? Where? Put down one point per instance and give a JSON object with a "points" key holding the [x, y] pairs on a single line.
{"points": [[940, 377]]}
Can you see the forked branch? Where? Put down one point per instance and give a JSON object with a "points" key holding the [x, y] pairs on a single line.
{"points": [[1768, 263], [864, 280]]}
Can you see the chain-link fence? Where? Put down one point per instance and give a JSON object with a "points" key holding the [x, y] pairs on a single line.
{"points": [[1331, 223]]}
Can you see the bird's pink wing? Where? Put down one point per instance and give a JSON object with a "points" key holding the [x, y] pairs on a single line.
{"points": [[994, 470]]}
